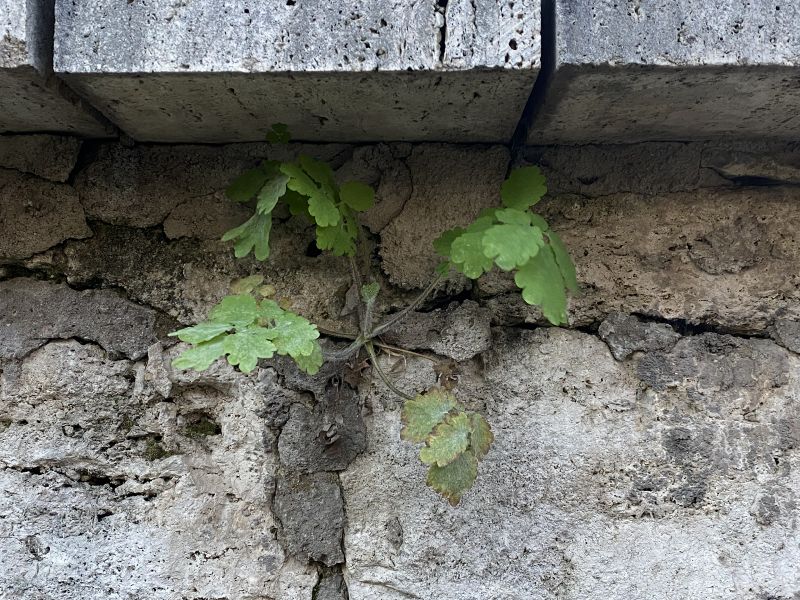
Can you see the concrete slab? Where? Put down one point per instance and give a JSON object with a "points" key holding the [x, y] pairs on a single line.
{"points": [[30, 98], [672, 70], [454, 70]]}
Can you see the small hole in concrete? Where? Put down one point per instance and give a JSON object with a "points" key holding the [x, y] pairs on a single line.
{"points": [[312, 250], [512, 44]]}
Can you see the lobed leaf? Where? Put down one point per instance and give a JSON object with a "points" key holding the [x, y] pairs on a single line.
{"points": [[252, 235], [201, 356], [202, 332], [481, 438], [311, 363], [444, 242], [448, 440], [369, 291], [423, 413], [272, 191], [542, 284], [291, 333], [511, 246], [246, 185], [247, 345], [238, 311], [523, 188], [468, 256], [245, 285], [452, 480]]}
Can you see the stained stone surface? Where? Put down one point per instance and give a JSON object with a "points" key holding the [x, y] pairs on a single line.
{"points": [[667, 70], [370, 70], [47, 156], [30, 98]]}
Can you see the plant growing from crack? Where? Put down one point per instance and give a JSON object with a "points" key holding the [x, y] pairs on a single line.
{"points": [[249, 325]]}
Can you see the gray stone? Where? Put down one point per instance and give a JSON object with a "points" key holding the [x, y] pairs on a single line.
{"points": [[332, 587], [456, 71], [580, 482], [33, 312], [30, 98], [36, 215], [787, 334], [755, 163], [311, 515], [326, 436], [460, 331], [654, 70], [625, 334], [89, 511], [48, 156]]}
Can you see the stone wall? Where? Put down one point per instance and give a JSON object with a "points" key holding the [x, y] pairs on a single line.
{"points": [[649, 450]]}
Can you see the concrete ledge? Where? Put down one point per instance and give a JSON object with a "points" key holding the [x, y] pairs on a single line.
{"points": [[30, 98], [678, 70], [369, 70]]}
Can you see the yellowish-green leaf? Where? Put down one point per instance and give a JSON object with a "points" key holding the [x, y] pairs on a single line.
{"points": [[291, 333], [247, 345], [425, 412], [481, 437], [323, 209], [452, 480], [311, 363], [201, 356], [320, 172], [468, 256], [444, 242], [202, 332], [358, 196], [511, 246], [564, 262], [512, 216], [245, 285], [449, 439], [238, 311], [543, 286], [272, 191], [523, 188], [252, 235], [297, 203], [247, 184]]}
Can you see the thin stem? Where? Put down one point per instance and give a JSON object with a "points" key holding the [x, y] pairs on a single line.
{"points": [[387, 382], [356, 275], [344, 335], [345, 353], [397, 317]]}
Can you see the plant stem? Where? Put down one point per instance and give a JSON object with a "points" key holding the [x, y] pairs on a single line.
{"points": [[387, 382], [345, 353], [397, 317], [356, 276]]}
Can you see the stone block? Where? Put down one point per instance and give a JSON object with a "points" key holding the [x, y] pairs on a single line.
{"points": [[683, 70], [365, 70], [31, 99]]}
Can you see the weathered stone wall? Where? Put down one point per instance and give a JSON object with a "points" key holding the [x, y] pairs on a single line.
{"points": [[647, 451]]}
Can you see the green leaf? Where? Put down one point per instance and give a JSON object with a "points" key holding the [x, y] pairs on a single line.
{"points": [[247, 184], [251, 235], [202, 332], [238, 311], [358, 196], [481, 437], [468, 256], [324, 211], [297, 203], [564, 262], [321, 200], [247, 345], [425, 412], [448, 440], [340, 238], [291, 333], [245, 285], [201, 356], [442, 269], [369, 291], [444, 242], [538, 221], [279, 134], [453, 480], [511, 246], [320, 172], [272, 191], [299, 181], [523, 188], [311, 363], [543, 286], [512, 216]]}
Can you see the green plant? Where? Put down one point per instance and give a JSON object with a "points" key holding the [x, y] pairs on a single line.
{"points": [[248, 325]]}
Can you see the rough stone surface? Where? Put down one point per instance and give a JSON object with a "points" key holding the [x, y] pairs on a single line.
{"points": [[459, 332], [48, 156], [32, 312], [31, 100], [311, 514], [623, 482], [36, 215], [787, 334], [368, 71], [437, 203], [625, 334], [655, 70]]}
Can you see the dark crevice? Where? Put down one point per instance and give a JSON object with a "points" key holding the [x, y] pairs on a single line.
{"points": [[441, 7], [542, 84]]}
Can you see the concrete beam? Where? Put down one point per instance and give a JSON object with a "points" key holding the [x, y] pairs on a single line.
{"points": [[223, 71], [672, 70], [31, 99]]}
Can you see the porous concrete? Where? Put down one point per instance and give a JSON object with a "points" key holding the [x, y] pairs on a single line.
{"points": [[198, 72], [48, 156], [671, 70], [30, 98]]}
